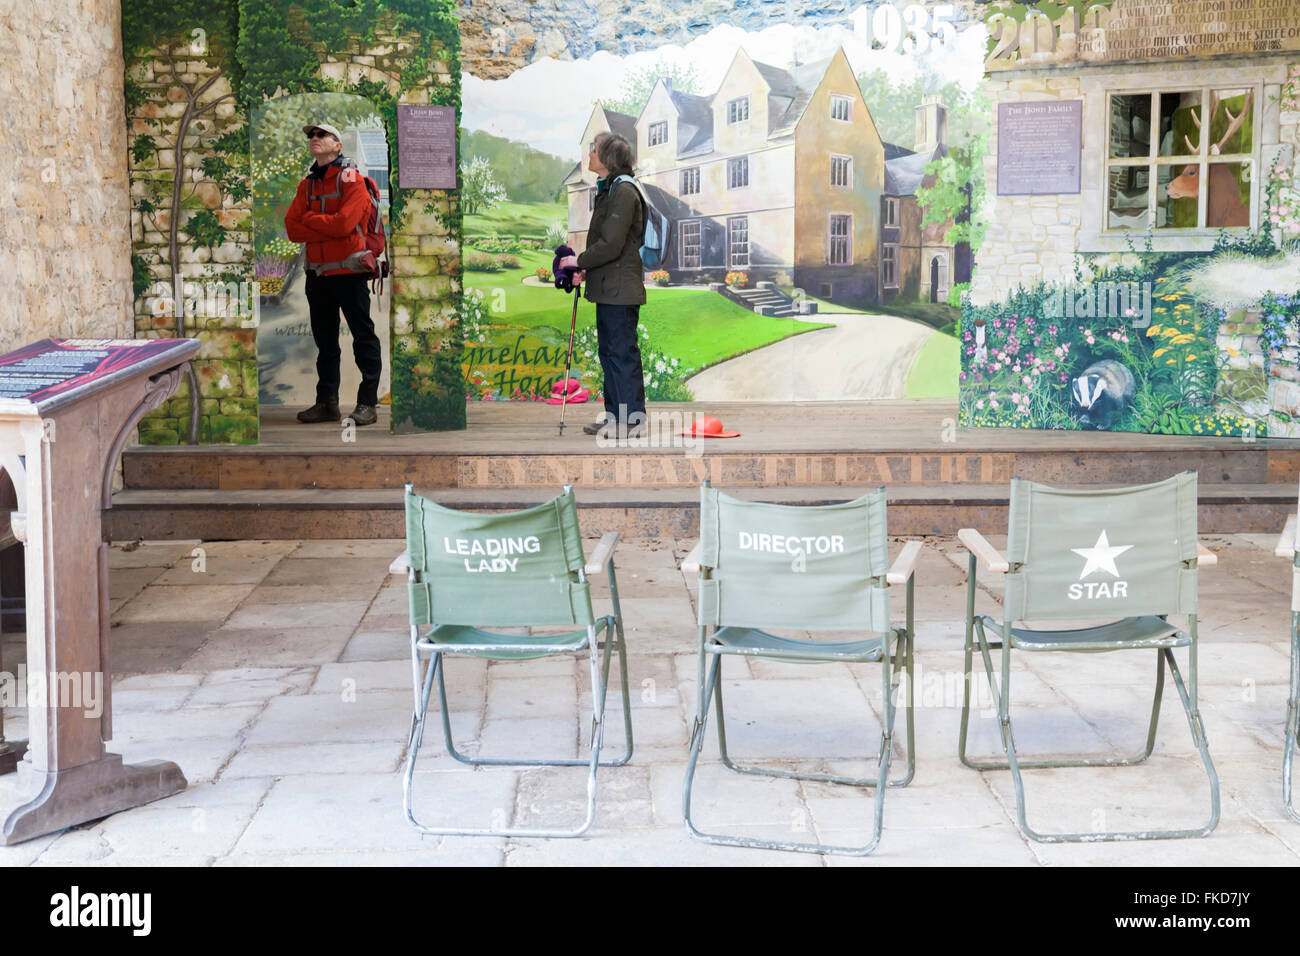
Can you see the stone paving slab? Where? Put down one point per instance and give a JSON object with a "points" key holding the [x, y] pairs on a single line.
{"points": [[279, 678]]}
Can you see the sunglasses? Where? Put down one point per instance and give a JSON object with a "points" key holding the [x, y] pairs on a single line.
{"points": [[318, 132]]}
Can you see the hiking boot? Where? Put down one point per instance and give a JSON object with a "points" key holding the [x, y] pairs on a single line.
{"points": [[595, 427], [320, 412], [364, 415]]}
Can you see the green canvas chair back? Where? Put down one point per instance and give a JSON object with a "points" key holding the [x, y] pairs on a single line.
{"points": [[1094, 554], [507, 569], [814, 568]]}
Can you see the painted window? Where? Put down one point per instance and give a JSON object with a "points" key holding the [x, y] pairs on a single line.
{"points": [[688, 234], [658, 133], [738, 242], [840, 249], [738, 110], [889, 266], [891, 211], [738, 172], [1167, 166], [689, 184], [841, 108], [841, 170]]}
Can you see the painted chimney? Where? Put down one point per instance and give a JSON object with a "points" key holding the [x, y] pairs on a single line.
{"points": [[931, 123]]}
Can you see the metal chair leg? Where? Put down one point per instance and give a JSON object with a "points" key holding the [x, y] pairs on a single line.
{"points": [[1292, 721], [1089, 761], [598, 689], [1198, 735], [714, 691]]}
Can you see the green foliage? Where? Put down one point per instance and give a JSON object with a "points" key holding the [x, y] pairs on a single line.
{"points": [[204, 229], [141, 278], [142, 148], [637, 85], [136, 96], [533, 175], [209, 27]]}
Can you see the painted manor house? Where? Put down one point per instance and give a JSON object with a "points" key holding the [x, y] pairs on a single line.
{"points": [[780, 174]]}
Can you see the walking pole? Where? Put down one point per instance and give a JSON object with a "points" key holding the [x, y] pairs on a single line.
{"points": [[568, 358]]}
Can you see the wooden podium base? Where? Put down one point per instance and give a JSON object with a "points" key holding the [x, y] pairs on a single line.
{"points": [[91, 791]]}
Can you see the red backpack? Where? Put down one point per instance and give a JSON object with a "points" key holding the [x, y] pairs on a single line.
{"points": [[373, 229]]}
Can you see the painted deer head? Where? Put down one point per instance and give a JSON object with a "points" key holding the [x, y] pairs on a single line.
{"points": [[1225, 207]]}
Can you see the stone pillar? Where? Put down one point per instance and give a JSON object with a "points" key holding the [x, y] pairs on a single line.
{"points": [[65, 249]]}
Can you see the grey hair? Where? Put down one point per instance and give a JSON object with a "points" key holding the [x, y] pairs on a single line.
{"points": [[614, 153]]}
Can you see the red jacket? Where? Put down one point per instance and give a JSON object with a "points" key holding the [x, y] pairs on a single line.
{"points": [[327, 214]]}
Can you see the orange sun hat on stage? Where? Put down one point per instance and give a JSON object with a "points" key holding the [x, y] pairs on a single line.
{"points": [[707, 426]]}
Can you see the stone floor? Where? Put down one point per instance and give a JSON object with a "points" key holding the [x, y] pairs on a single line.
{"points": [[276, 673]]}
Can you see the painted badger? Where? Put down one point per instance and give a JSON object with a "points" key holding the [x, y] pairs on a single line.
{"points": [[1101, 393]]}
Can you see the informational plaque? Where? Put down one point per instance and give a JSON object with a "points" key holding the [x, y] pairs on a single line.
{"points": [[1040, 147], [426, 147], [46, 372]]}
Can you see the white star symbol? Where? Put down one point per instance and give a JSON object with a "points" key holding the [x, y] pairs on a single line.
{"points": [[1100, 557]]}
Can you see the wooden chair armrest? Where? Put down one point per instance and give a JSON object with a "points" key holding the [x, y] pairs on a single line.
{"points": [[1205, 557], [691, 563], [400, 564], [904, 565], [604, 551], [1286, 541], [974, 542]]}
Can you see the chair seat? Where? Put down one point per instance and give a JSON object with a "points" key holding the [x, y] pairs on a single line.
{"points": [[475, 642], [755, 643], [1131, 632]]}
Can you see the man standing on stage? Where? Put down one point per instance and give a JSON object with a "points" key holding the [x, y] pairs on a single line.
{"points": [[328, 214]]}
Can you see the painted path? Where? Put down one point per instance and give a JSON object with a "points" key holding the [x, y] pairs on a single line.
{"points": [[862, 357]]}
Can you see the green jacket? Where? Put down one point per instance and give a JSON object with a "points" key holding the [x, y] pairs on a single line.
{"points": [[615, 273]]}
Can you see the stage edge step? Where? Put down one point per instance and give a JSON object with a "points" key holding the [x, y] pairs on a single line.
{"points": [[646, 512]]}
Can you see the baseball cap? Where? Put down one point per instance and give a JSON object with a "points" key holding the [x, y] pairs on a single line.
{"points": [[332, 130]]}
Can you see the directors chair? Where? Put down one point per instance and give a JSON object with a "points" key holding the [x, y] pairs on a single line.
{"points": [[1073, 555], [514, 569], [815, 568]]}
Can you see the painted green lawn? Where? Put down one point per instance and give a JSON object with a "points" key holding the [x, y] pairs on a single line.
{"points": [[934, 373], [697, 327], [517, 218]]}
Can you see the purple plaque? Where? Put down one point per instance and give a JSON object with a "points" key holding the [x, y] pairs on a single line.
{"points": [[426, 147], [1040, 147]]}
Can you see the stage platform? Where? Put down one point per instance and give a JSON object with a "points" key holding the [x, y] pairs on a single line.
{"points": [[318, 481]]}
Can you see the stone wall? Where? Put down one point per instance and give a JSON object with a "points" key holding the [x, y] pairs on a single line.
{"points": [[500, 36], [65, 259]]}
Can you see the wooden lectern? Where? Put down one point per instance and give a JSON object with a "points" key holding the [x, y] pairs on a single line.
{"points": [[67, 408]]}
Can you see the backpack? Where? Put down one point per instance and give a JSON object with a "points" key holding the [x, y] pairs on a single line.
{"points": [[654, 238], [372, 227]]}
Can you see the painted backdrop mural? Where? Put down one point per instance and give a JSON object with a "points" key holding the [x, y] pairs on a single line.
{"points": [[1141, 270], [819, 199]]}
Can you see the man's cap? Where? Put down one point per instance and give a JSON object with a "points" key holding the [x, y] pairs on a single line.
{"points": [[332, 130]]}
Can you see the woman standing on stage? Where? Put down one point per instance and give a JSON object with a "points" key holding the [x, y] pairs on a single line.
{"points": [[611, 269]]}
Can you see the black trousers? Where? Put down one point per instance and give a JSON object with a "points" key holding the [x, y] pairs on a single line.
{"points": [[326, 295], [620, 358]]}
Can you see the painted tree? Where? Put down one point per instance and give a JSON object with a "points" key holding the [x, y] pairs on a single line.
{"points": [[479, 189], [638, 84], [175, 113]]}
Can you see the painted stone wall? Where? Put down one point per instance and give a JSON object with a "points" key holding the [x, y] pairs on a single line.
{"points": [[191, 219], [193, 69], [63, 182]]}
